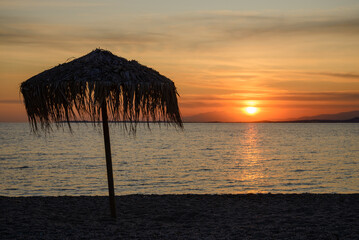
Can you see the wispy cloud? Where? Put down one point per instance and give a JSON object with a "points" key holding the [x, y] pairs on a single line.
{"points": [[191, 30], [318, 97], [47, 3], [210, 29], [293, 26], [199, 104], [273, 96], [10, 101], [59, 35], [338, 75]]}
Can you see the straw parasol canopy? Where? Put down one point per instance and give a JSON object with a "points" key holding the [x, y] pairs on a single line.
{"points": [[89, 86], [77, 90]]}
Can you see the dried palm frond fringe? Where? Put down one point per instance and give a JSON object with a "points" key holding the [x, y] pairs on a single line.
{"points": [[77, 89]]}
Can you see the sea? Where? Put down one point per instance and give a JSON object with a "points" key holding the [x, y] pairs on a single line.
{"points": [[203, 158]]}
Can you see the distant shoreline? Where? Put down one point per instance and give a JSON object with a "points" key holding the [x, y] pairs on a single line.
{"points": [[353, 120], [356, 120]]}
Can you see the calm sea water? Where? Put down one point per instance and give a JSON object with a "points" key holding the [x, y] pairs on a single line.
{"points": [[204, 158]]}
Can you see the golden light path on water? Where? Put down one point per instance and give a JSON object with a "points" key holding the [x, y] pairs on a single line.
{"points": [[250, 156]]}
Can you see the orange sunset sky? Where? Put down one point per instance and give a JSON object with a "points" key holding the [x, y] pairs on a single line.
{"points": [[288, 59]]}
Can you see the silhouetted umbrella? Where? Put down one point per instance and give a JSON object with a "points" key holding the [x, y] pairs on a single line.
{"points": [[87, 87]]}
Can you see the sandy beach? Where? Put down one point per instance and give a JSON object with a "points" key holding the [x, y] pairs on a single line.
{"points": [[243, 216]]}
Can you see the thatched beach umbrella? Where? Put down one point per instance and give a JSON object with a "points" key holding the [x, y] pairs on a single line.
{"points": [[93, 85]]}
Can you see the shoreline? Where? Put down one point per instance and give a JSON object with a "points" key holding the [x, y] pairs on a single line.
{"points": [[187, 216]]}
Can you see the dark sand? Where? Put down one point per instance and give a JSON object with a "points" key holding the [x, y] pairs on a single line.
{"points": [[253, 216]]}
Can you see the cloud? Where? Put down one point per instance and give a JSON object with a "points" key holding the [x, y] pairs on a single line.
{"points": [[187, 31], [339, 75], [317, 96], [236, 77], [203, 30], [58, 35], [318, 106], [338, 97], [47, 3], [197, 104], [10, 101], [311, 84], [295, 26]]}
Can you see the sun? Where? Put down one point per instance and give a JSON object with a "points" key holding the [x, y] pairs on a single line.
{"points": [[251, 110]]}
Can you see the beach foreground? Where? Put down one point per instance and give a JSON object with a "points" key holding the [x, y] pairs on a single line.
{"points": [[243, 216]]}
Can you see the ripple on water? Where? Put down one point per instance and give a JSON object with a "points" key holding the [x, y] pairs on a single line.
{"points": [[205, 158]]}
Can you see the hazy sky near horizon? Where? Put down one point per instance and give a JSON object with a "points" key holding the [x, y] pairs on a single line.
{"points": [[287, 58]]}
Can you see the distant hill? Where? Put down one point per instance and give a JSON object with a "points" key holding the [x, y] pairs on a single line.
{"points": [[208, 117], [352, 120], [352, 116], [336, 117]]}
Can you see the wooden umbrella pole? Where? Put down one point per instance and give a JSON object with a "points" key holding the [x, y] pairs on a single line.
{"points": [[106, 135]]}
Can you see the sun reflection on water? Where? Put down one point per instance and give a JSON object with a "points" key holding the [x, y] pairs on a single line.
{"points": [[249, 161]]}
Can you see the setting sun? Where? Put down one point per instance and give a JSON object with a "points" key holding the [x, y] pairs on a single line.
{"points": [[251, 110]]}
